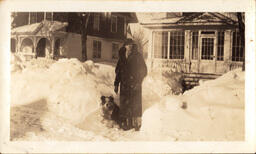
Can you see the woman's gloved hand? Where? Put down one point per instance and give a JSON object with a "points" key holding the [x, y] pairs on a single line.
{"points": [[116, 89]]}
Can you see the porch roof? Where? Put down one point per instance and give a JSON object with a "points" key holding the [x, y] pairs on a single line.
{"points": [[192, 19], [43, 28]]}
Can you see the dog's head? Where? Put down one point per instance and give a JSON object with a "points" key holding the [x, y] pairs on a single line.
{"points": [[107, 102]]}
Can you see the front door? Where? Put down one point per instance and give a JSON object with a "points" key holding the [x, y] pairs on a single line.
{"points": [[207, 53]]}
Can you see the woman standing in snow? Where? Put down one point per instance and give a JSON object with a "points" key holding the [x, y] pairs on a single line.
{"points": [[131, 74], [120, 80]]}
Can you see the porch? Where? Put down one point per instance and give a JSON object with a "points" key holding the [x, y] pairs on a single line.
{"points": [[38, 39]]}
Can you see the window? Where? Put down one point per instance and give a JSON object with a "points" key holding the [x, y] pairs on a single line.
{"points": [[160, 44], [115, 50], [96, 49], [32, 17], [207, 48], [177, 44], [220, 48], [195, 45], [125, 27], [39, 16], [237, 48], [48, 16], [113, 24], [96, 22]]}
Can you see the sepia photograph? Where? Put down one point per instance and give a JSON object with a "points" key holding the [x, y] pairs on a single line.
{"points": [[115, 76], [133, 76]]}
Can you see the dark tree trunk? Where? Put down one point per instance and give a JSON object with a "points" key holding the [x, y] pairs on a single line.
{"points": [[83, 42], [242, 34], [84, 25]]}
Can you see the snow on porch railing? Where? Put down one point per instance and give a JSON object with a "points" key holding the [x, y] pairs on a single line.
{"points": [[27, 56], [235, 65], [171, 65]]}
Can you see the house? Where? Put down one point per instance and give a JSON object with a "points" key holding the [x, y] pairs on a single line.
{"points": [[193, 42], [58, 34]]}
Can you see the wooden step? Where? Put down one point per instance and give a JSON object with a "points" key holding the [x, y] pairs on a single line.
{"points": [[192, 79]]}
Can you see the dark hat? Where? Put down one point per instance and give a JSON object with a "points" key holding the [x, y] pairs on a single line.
{"points": [[128, 41]]}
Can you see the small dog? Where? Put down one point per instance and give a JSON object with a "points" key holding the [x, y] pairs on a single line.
{"points": [[110, 111]]}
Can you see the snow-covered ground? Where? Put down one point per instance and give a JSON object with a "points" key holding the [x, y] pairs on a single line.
{"points": [[59, 100]]}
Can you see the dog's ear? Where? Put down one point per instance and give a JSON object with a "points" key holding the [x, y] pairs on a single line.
{"points": [[111, 98], [102, 98]]}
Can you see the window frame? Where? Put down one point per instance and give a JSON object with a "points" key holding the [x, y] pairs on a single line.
{"points": [[195, 54], [240, 59], [206, 34], [168, 44], [96, 51], [32, 17], [207, 55], [96, 27], [177, 45], [220, 47], [111, 25], [115, 53], [50, 14]]}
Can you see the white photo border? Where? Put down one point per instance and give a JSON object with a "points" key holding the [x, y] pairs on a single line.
{"points": [[247, 6]]}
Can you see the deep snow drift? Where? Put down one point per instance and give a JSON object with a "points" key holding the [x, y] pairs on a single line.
{"points": [[59, 100]]}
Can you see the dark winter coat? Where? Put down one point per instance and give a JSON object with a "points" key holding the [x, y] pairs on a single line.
{"points": [[121, 81], [136, 72], [133, 72], [120, 67]]}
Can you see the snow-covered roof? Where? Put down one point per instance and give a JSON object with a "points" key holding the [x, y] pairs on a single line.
{"points": [[41, 28]]}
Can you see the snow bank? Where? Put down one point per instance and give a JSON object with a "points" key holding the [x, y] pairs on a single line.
{"points": [[215, 111], [157, 85], [72, 88], [77, 87]]}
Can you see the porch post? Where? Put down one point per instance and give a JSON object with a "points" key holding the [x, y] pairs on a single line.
{"points": [[186, 49], [150, 51], [17, 44], [34, 46], [52, 47], [227, 46]]}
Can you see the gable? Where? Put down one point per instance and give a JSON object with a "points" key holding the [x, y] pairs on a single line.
{"points": [[207, 18]]}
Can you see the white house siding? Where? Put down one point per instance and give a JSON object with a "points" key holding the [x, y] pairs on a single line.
{"points": [[106, 48], [71, 47]]}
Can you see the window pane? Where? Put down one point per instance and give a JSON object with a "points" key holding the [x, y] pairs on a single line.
{"points": [[207, 48], [99, 49], [115, 51], [113, 24], [96, 49], [32, 17], [160, 44], [49, 16], [40, 16], [176, 45], [194, 45], [237, 49], [220, 49], [96, 22]]}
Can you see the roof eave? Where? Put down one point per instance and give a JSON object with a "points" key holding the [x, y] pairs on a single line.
{"points": [[170, 25]]}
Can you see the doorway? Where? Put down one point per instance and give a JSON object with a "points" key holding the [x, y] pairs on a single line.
{"points": [[207, 52], [43, 46]]}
